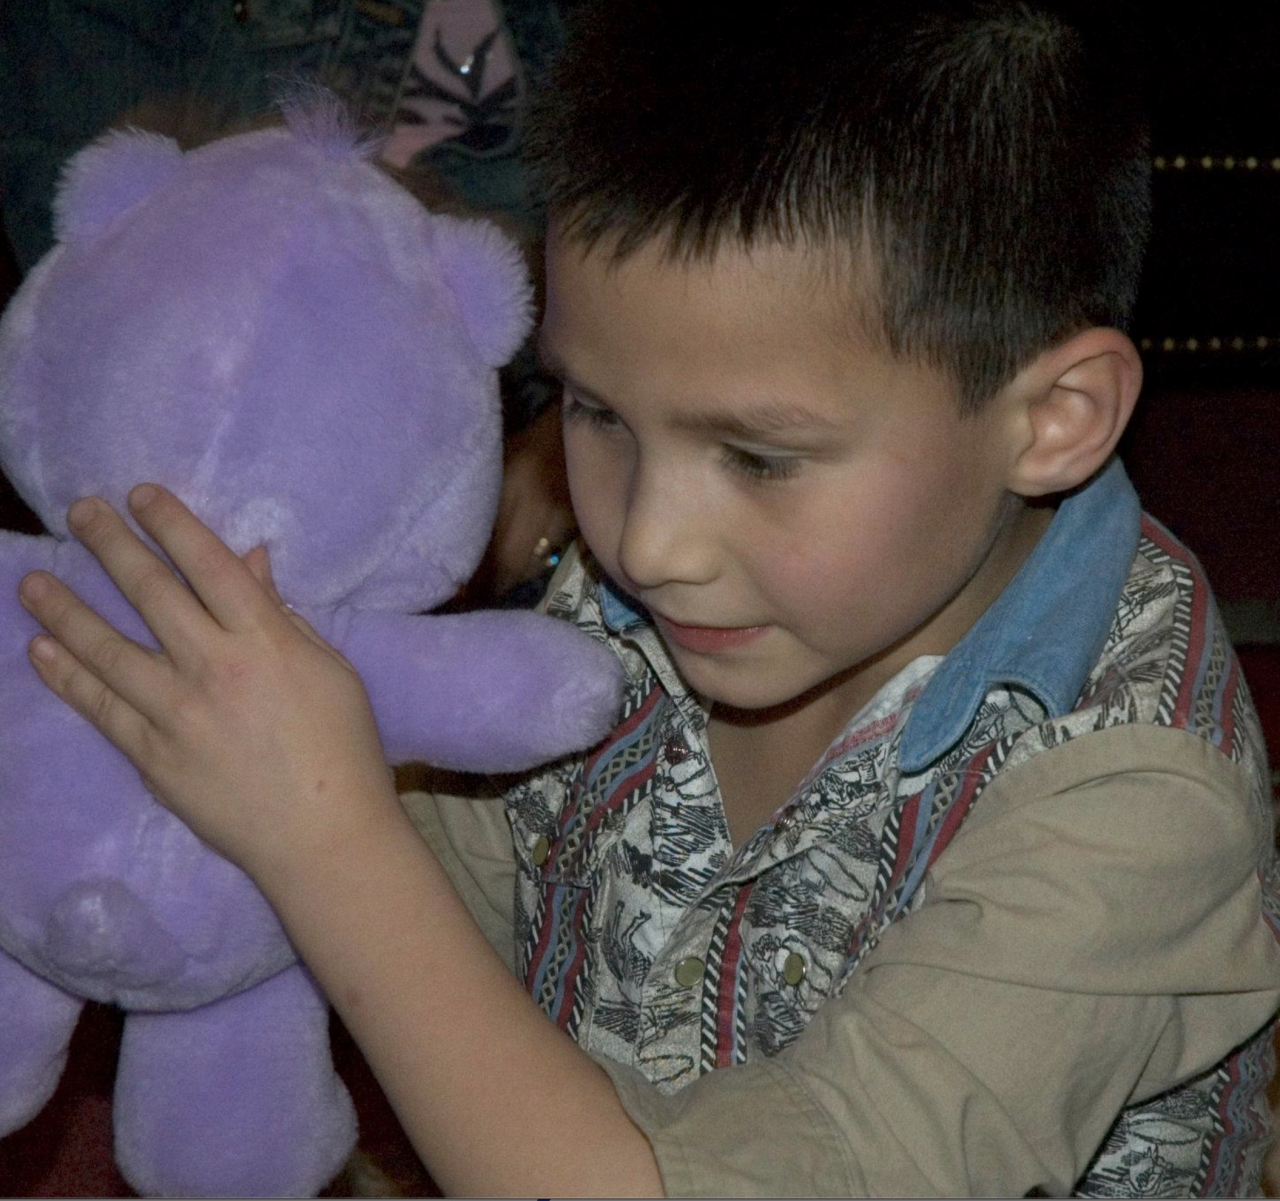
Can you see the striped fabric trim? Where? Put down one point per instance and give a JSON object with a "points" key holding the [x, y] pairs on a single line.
{"points": [[930, 820], [725, 995], [613, 779], [1203, 677], [1231, 1161]]}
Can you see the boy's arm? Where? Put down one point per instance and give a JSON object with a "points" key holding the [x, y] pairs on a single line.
{"points": [[470, 835], [496, 1099]]}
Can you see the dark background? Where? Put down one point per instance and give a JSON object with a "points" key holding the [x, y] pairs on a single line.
{"points": [[1204, 449]]}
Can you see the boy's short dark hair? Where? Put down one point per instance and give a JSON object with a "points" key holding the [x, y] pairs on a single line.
{"points": [[992, 157]]}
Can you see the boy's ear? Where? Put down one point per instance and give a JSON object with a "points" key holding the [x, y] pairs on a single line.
{"points": [[1072, 404]]}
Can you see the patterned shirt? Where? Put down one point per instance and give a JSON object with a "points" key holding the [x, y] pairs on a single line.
{"points": [[648, 937]]}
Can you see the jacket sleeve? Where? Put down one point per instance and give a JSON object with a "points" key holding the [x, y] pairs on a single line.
{"points": [[1093, 936]]}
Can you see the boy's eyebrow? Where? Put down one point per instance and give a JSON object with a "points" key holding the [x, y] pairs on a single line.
{"points": [[761, 418], [753, 420], [554, 365]]}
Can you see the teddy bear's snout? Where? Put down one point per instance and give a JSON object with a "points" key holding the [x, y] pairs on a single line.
{"points": [[101, 930]]}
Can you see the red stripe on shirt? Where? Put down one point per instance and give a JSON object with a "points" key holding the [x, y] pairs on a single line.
{"points": [[575, 966], [962, 803], [1198, 619], [727, 991]]}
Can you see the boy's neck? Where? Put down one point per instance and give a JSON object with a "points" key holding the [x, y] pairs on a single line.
{"points": [[761, 756]]}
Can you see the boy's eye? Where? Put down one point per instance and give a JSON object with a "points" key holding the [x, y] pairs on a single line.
{"points": [[753, 464], [759, 466], [575, 410]]}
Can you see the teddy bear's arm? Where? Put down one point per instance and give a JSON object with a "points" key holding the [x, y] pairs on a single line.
{"points": [[488, 691]]}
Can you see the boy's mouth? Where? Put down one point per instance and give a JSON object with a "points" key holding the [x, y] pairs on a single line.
{"points": [[707, 640]]}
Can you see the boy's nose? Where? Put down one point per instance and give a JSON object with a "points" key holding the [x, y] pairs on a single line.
{"points": [[663, 538]]}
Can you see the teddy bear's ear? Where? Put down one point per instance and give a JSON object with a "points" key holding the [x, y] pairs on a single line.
{"points": [[109, 176], [487, 275]]}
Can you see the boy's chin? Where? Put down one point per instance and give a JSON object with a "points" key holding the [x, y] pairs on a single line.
{"points": [[749, 694], [743, 684]]}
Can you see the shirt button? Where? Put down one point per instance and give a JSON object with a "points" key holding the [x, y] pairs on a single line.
{"points": [[541, 850], [689, 971], [675, 750], [793, 969]]}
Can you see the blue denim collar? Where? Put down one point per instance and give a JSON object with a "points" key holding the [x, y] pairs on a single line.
{"points": [[619, 611], [1046, 630]]}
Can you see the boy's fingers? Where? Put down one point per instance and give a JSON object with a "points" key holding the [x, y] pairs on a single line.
{"points": [[259, 566], [149, 584], [113, 717], [94, 655], [85, 693], [216, 574], [258, 561]]}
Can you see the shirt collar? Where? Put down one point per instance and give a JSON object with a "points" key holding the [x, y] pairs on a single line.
{"points": [[619, 612], [1046, 629], [627, 618]]}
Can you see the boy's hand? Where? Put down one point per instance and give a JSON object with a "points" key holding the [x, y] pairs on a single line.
{"points": [[245, 723]]}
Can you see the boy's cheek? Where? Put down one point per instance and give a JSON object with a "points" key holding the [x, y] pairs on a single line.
{"points": [[598, 526], [589, 490], [863, 587]]}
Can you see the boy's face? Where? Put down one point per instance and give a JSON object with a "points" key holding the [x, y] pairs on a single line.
{"points": [[800, 512]]}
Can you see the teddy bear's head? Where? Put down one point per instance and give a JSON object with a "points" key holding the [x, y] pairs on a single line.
{"points": [[277, 332]]}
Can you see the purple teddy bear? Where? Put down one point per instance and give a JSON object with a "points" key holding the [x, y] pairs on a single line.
{"points": [[272, 329]]}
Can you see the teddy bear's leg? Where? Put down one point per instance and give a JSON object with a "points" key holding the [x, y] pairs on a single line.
{"points": [[234, 1099], [36, 1023]]}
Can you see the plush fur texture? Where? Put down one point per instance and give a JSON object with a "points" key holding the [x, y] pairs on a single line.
{"points": [[272, 329]]}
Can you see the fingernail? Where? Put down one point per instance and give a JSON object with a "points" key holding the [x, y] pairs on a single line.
{"points": [[33, 588], [42, 648], [143, 495], [81, 513]]}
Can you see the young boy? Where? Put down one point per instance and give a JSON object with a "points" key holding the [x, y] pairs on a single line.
{"points": [[932, 852]]}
